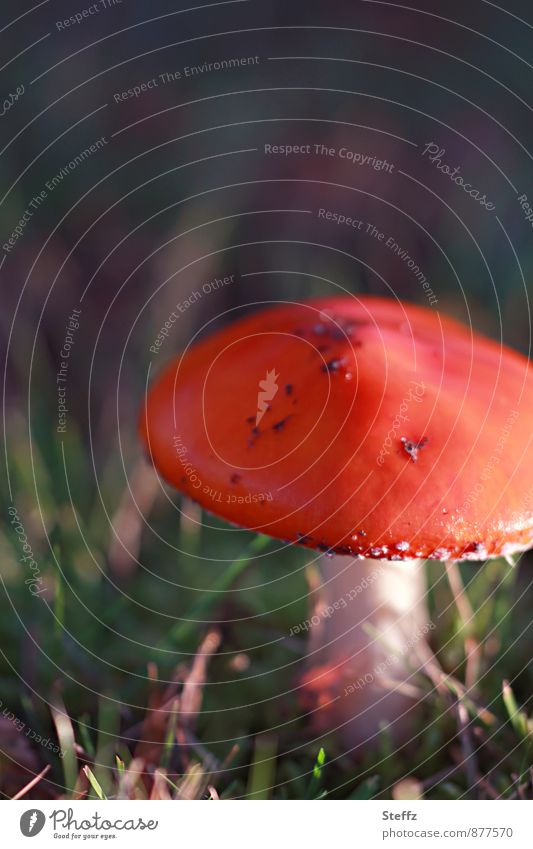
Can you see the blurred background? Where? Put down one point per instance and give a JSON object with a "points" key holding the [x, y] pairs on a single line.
{"points": [[144, 156]]}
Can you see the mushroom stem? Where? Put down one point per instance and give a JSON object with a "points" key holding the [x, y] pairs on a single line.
{"points": [[369, 617]]}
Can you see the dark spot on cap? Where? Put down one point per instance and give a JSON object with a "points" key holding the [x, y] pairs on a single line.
{"points": [[473, 548], [235, 478], [302, 538], [255, 434], [281, 424], [412, 447], [343, 549], [343, 331], [288, 389], [331, 366], [250, 419], [334, 327]]}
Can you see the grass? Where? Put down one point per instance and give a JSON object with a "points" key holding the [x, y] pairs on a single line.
{"points": [[176, 679]]}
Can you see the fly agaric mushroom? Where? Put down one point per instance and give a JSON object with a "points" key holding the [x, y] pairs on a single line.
{"points": [[378, 432]]}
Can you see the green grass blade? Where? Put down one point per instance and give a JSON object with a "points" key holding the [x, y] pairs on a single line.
{"points": [[108, 731], [95, 784], [263, 769], [518, 717], [317, 777], [197, 620], [65, 736], [367, 789]]}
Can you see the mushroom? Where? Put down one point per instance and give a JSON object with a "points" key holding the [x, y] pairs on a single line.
{"points": [[380, 434]]}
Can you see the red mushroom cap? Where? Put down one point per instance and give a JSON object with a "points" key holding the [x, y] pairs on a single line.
{"points": [[359, 425]]}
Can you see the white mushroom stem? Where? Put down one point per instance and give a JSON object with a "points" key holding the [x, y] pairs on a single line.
{"points": [[369, 618]]}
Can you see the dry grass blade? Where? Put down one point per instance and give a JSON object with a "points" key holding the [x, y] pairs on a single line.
{"points": [[95, 784], [127, 523], [472, 648], [431, 667], [160, 786], [190, 524], [65, 735], [193, 783], [415, 693], [154, 732], [30, 784], [487, 787], [469, 757], [131, 784], [191, 696]]}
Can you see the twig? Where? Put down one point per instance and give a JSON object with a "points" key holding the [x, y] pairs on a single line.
{"points": [[487, 786], [469, 758], [31, 784], [466, 614], [191, 695], [439, 777], [128, 520]]}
